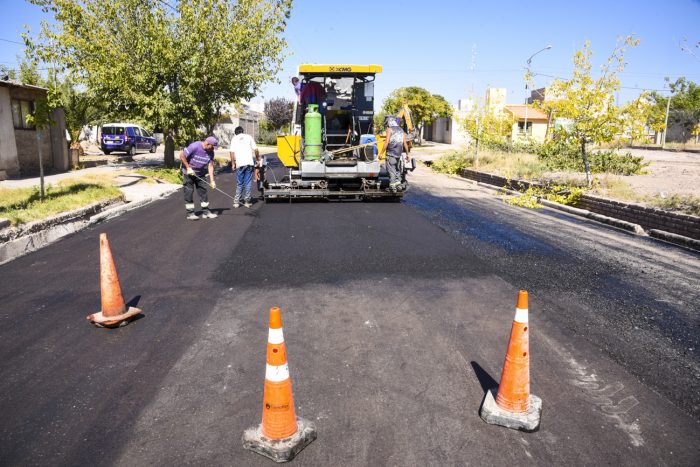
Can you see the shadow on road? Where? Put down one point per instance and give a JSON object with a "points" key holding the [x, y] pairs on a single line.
{"points": [[485, 379]]}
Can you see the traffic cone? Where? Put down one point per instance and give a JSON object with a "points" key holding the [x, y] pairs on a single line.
{"points": [[114, 312], [282, 434], [514, 406]]}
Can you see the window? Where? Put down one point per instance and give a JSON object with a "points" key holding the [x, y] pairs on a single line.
{"points": [[113, 130], [521, 127], [447, 124], [20, 110]]}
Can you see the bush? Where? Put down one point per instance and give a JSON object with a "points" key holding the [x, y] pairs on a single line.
{"points": [[452, 162], [555, 193], [266, 136], [563, 156], [618, 164]]}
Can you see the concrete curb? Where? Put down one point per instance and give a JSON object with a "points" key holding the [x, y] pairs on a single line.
{"points": [[36, 235], [675, 239]]}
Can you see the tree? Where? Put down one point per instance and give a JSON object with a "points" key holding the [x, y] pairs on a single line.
{"points": [[485, 126], [589, 102], [172, 66], [635, 117], [685, 107], [29, 73], [425, 107], [7, 73], [278, 112]]}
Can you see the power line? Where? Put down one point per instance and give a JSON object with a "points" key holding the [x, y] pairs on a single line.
{"points": [[14, 42], [168, 5], [621, 87]]}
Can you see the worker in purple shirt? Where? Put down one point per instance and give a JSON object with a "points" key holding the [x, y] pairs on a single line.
{"points": [[197, 159], [297, 87]]}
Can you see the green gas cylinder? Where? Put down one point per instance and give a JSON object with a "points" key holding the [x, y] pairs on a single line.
{"points": [[312, 133]]}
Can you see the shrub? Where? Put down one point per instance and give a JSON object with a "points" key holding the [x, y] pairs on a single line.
{"points": [[618, 164], [452, 162], [560, 155], [266, 136], [555, 193]]}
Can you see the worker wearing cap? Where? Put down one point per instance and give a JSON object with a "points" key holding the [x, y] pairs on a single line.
{"points": [[197, 159], [395, 143]]}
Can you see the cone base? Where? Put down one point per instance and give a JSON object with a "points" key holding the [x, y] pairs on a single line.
{"points": [[524, 421], [280, 450], [100, 320]]}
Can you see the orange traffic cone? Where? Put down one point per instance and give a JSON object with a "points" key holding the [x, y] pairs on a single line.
{"points": [[514, 406], [114, 312], [282, 434]]}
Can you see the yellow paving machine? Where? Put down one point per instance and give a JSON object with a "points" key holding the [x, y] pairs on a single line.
{"points": [[333, 149]]}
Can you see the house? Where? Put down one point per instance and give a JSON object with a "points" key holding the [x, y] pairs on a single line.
{"points": [[19, 150], [530, 123], [447, 129], [247, 115]]}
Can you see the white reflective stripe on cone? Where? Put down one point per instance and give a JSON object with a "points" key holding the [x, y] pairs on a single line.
{"points": [[520, 315], [277, 374], [275, 336]]}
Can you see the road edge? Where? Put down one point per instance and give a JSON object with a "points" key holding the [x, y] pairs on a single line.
{"points": [[655, 234]]}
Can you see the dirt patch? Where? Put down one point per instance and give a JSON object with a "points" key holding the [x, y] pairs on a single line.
{"points": [[669, 173]]}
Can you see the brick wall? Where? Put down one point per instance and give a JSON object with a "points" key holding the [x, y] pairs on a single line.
{"points": [[648, 218]]}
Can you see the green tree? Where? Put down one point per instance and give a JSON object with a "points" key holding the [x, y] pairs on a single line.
{"points": [[685, 107], [172, 66], [485, 126], [29, 73], [7, 72], [588, 102], [425, 107]]}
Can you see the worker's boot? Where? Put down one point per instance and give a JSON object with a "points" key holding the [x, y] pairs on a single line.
{"points": [[207, 214], [191, 216]]}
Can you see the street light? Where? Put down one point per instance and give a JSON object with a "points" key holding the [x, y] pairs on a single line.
{"points": [[529, 61]]}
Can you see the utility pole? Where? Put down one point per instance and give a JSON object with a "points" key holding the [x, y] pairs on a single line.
{"points": [[668, 108], [527, 98]]}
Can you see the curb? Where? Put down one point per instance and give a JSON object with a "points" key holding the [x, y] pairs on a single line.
{"points": [[675, 239], [36, 235], [637, 229]]}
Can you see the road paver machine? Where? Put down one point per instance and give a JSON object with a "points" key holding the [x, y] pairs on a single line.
{"points": [[333, 149]]}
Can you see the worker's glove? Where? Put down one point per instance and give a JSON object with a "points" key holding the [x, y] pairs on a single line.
{"points": [[190, 171], [213, 184]]}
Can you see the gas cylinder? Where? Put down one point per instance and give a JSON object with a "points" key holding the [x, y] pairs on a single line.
{"points": [[312, 133]]}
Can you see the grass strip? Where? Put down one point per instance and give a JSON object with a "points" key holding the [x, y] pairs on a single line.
{"points": [[22, 205]]}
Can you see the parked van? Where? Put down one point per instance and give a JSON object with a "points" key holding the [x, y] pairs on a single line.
{"points": [[126, 137]]}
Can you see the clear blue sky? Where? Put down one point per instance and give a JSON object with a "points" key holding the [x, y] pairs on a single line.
{"points": [[431, 44]]}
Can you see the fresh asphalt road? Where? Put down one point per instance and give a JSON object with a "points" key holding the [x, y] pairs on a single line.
{"points": [[396, 320]]}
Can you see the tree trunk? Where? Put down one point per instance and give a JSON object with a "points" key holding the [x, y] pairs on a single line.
{"points": [[42, 194], [169, 151], [586, 165]]}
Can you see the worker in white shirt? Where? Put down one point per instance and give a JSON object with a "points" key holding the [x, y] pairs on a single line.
{"points": [[244, 156]]}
